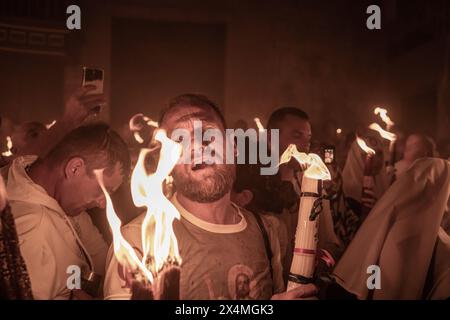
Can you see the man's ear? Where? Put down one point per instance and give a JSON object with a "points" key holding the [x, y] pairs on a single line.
{"points": [[74, 167]]}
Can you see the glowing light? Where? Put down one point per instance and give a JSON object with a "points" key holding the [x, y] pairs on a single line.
{"points": [[135, 125], [384, 117], [362, 144], [159, 243], [9, 145], [49, 125], [259, 124], [383, 133], [315, 168]]}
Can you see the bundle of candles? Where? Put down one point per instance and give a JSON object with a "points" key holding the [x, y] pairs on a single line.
{"points": [[306, 238], [156, 275], [14, 280]]}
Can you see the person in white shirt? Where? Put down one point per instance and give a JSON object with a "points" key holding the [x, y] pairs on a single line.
{"points": [[221, 245], [49, 197]]}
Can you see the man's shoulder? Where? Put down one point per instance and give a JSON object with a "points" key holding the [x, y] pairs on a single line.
{"points": [[28, 217]]}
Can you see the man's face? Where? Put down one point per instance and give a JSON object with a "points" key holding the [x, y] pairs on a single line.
{"points": [[24, 137], [295, 130], [414, 148], [81, 191], [242, 286], [200, 182]]}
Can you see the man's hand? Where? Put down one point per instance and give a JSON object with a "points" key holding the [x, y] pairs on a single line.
{"points": [[81, 295], [307, 291], [81, 105], [140, 291], [369, 199]]}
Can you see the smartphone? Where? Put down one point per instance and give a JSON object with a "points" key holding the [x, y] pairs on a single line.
{"points": [[92, 76], [329, 154]]}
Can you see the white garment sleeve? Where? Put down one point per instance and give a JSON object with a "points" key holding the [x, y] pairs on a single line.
{"points": [[37, 254]]}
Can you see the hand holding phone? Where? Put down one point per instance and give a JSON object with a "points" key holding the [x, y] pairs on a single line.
{"points": [[93, 77], [86, 100]]}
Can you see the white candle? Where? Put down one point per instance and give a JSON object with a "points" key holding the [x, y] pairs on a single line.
{"points": [[306, 237]]}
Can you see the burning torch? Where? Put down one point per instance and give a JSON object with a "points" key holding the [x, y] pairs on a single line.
{"points": [[306, 238], [368, 177], [156, 273], [386, 134]]}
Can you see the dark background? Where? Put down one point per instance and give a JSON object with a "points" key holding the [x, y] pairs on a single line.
{"points": [[250, 56]]}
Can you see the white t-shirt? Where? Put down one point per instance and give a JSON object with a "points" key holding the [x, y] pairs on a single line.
{"points": [[218, 261]]}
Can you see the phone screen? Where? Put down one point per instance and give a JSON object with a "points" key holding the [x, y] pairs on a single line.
{"points": [[329, 155], [94, 77]]}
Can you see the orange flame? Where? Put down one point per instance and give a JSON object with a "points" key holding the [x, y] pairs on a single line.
{"points": [[135, 126], [383, 115], [259, 124], [51, 124], [150, 122], [159, 244], [123, 251], [138, 137], [362, 144], [383, 133], [316, 169], [158, 237], [9, 145]]}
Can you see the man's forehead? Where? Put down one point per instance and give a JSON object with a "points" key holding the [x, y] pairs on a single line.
{"points": [[113, 178], [183, 114]]}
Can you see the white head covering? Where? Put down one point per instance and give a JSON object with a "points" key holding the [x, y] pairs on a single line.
{"points": [[408, 224]]}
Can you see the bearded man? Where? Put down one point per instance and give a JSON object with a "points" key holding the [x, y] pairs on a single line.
{"points": [[215, 236]]}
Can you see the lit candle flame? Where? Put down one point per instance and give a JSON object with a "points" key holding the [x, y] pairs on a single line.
{"points": [[49, 125], [150, 122], [384, 117], [159, 244], [9, 145], [362, 144], [316, 169], [138, 137], [383, 133], [158, 237], [259, 124], [123, 251], [135, 126]]}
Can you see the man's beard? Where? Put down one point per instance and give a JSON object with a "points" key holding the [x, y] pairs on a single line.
{"points": [[212, 188]]}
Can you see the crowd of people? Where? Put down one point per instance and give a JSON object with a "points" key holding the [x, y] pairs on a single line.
{"points": [[236, 234]]}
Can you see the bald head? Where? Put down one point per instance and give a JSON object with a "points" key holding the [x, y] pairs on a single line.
{"points": [[417, 146]]}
